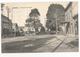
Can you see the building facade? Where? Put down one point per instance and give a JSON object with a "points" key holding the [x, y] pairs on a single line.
{"points": [[71, 17], [75, 16], [15, 29], [6, 26]]}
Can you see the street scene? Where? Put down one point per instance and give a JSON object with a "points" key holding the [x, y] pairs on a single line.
{"points": [[37, 27]]}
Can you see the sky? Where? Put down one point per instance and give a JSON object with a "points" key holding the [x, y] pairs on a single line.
{"points": [[21, 13]]}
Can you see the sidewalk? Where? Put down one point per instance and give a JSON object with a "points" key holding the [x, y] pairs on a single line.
{"points": [[70, 44], [70, 38]]}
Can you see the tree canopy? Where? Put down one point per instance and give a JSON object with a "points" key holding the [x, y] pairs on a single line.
{"points": [[35, 23], [55, 11], [34, 12]]}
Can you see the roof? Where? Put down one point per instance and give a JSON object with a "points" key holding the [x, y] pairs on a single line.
{"points": [[68, 6], [5, 18]]}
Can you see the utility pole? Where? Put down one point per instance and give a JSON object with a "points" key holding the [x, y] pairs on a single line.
{"points": [[7, 11], [56, 16], [2, 5], [56, 24]]}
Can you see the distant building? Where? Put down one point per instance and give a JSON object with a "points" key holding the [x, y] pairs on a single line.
{"points": [[15, 29], [71, 17], [21, 30]]}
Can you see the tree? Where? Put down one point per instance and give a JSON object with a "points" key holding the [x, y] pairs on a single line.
{"points": [[29, 22], [33, 19], [34, 12], [55, 13]]}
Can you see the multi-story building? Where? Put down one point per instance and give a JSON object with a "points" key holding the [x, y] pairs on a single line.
{"points": [[71, 16], [75, 16], [6, 26]]}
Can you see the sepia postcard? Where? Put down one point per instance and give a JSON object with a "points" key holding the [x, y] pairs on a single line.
{"points": [[37, 27]]}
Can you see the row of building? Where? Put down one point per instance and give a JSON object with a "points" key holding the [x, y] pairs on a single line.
{"points": [[9, 29], [70, 24]]}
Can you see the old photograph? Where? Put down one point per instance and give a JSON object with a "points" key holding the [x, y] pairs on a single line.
{"points": [[37, 27]]}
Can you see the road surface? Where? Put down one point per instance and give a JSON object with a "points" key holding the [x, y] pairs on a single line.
{"points": [[36, 43]]}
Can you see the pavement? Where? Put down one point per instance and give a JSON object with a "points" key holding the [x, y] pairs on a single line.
{"points": [[38, 43], [70, 44]]}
